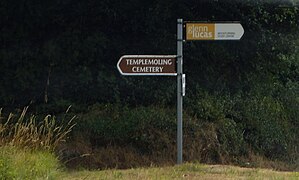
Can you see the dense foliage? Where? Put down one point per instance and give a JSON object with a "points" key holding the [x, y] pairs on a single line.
{"points": [[59, 53]]}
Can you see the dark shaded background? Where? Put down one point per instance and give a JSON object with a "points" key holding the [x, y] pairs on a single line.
{"points": [[64, 52]]}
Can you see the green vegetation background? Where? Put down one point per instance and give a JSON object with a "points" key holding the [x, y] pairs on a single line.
{"points": [[242, 96]]}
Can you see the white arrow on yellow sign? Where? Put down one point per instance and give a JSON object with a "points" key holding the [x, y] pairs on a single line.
{"points": [[214, 31]]}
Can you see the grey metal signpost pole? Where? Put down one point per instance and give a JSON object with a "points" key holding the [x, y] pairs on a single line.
{"points": [[179, 91], [215, 31]]}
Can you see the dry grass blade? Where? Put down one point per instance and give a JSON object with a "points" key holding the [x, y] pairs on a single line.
{"points": [[27, 133]]}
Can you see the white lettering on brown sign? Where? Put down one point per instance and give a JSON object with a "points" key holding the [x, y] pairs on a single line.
{"points": [[147, 65]]}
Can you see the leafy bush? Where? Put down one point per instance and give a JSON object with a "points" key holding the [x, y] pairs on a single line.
{"points": [[219, 109], [231, 138], [114, 123], [263, 119], [152, 133], [266, 126], [208, 106]]}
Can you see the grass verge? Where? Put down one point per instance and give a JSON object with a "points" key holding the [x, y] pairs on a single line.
{"points": [[185, 171], [18, 163]]}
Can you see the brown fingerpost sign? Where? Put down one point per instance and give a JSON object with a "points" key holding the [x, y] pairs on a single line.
{"points": [[153, 65]]}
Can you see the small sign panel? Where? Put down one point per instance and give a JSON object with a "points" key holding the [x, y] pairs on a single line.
{"points": [[183, 84], [154, 65], [214, 31]]}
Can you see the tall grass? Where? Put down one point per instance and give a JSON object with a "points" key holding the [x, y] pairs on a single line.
{"points": [[29, 133], [27, 145]]}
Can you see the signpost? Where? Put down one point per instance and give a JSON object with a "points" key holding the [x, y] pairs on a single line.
{"points": [[172, 65], [214, 31], [152, 65], [180, 92]]}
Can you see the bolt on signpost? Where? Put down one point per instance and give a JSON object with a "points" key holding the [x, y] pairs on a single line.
{"points": [[172, 65]]}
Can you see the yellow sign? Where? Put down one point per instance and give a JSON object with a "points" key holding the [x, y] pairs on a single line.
{"points": [[214, 31], [200, 31]]}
